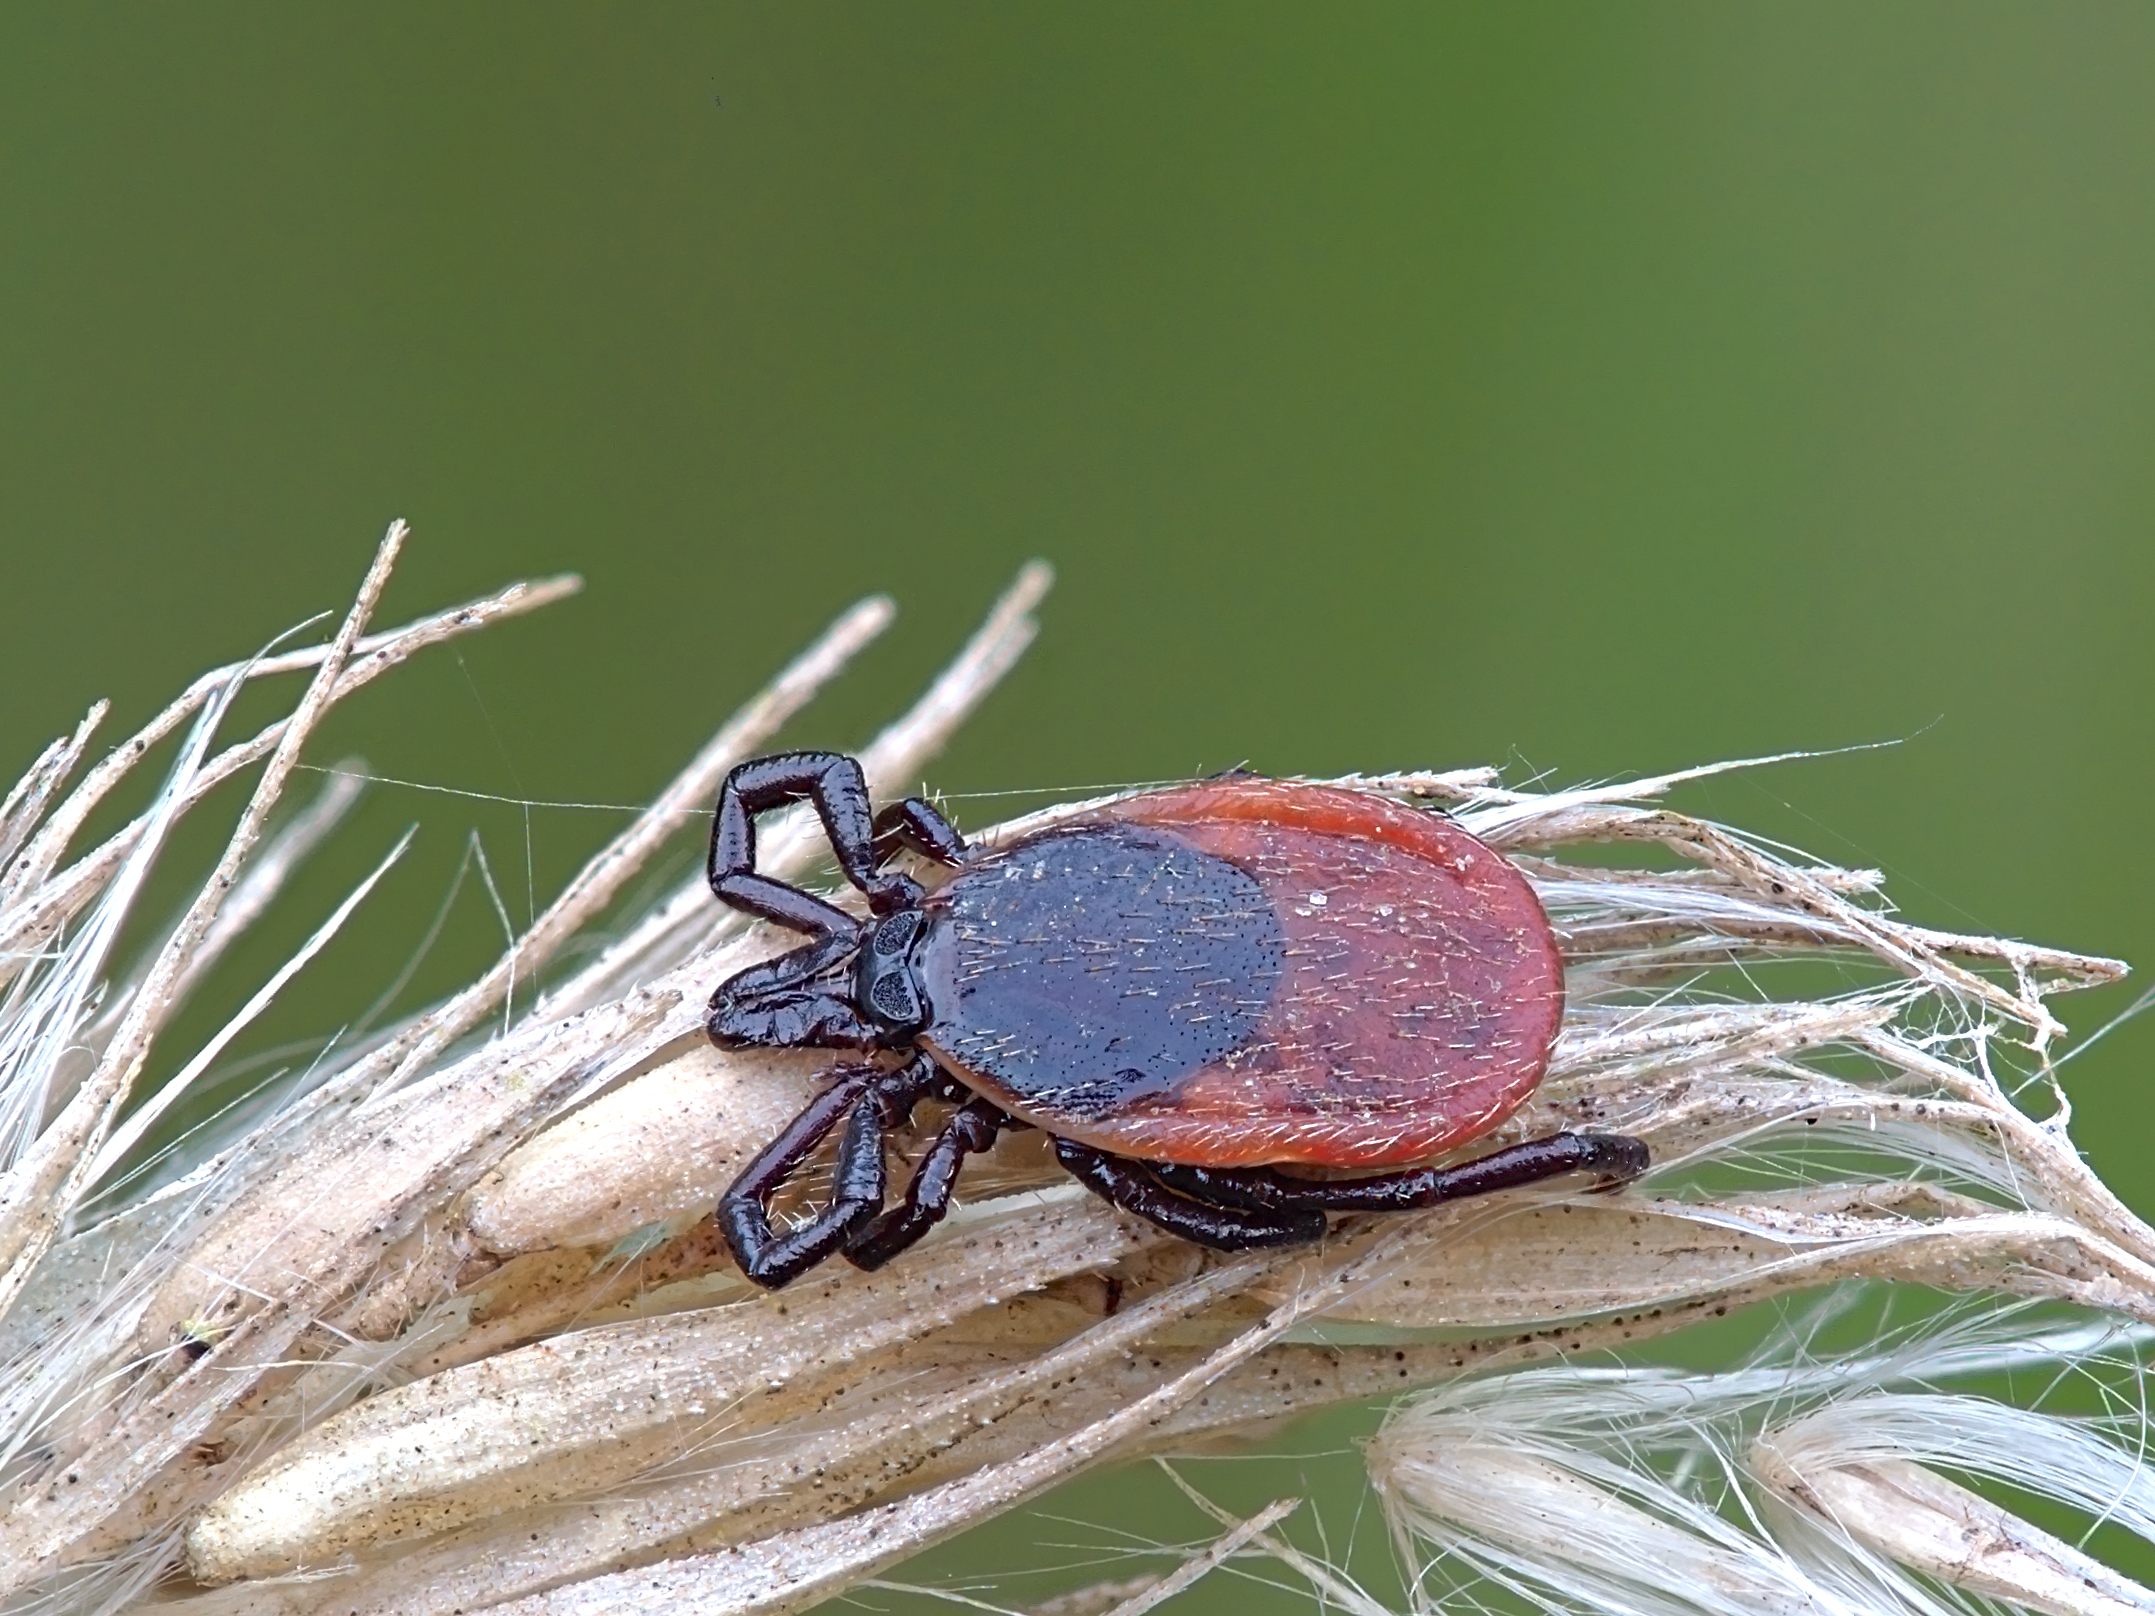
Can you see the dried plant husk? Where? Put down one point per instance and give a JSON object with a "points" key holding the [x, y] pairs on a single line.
{"points": [[448, 1325]]}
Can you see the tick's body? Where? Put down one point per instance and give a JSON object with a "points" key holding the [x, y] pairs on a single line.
{"points": [[1246, 972], [1185, 988]]}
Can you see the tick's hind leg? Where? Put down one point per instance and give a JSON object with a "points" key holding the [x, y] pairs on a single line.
{"points": [[971, 1129], [1615, 1158], [870, 1099], [1223, 1228]]}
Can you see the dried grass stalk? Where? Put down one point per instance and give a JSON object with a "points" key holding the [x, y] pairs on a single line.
{"points": [[449, 1327]]}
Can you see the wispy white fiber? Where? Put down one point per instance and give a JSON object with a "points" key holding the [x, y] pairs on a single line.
{"points": [[128, 1134], [1665, 1492], [54, 993], [2079, 1462]]}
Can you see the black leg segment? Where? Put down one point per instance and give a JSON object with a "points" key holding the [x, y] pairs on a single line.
{"points": [[788, 906], [1613, 1157], [779, 1004], [1128, 1185], [870, 1099], [917, 825], [972, 1128], [835, 784]]}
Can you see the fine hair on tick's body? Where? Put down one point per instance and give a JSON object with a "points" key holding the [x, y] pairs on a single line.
{"points": [[1187, 990]]}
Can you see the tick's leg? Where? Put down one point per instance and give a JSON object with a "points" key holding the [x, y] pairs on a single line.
{"points": [[790, 970], [1222, 1228], [786, 1021], [864, 1096], [787, 906], [772, 1259], [917, 825], [1614, 1157], [917, 1080], [774, 1006], [835, 784], [972, 1128]]}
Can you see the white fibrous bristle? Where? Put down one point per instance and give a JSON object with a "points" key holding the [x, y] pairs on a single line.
{"points": [[1799, 1480], [439, 1318]]}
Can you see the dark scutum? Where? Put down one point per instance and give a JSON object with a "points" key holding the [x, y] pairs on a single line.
{"points": [[1090, 967]]}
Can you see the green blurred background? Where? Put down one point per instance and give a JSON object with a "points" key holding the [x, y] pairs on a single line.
{"points": [[1586, 389]]}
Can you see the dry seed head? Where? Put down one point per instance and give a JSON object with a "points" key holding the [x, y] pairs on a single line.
{"points": [[450, 1324]]}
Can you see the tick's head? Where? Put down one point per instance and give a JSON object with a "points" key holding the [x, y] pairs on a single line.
{"points": [[859, 989], [886, 976]]}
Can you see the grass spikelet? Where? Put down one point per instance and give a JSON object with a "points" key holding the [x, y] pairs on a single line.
{"points": [[447, 1325], [1802, 1480]]}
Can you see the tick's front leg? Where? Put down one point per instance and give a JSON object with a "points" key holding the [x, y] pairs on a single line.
{"points": [[835, 784]]}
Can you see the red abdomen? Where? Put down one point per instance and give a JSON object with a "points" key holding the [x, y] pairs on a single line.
{"points": [[1248, 971]]}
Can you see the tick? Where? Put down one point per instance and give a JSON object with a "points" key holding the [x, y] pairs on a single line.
{"points": [[1188, 991]]}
